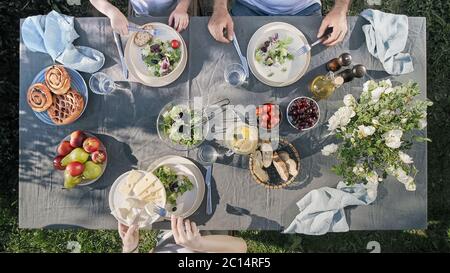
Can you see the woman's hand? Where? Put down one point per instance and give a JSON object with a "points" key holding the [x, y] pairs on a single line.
{"points": [[179, 18], [186, 233], [336, 18], [219, 21], [130, 237], [119, 22]]}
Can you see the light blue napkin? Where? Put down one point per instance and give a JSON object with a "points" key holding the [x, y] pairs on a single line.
{"points": [[54, 34], [386, 37], [322, 210]]}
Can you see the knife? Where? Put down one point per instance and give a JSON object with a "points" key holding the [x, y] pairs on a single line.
{"points": [[122, 58], [208, 185]]}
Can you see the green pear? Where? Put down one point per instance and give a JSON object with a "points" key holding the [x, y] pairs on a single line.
{"points": [[71, 181], [77, 154], [91, 170]]}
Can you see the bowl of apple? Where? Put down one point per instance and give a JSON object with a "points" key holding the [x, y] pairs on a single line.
{"points": [[82, 157]]}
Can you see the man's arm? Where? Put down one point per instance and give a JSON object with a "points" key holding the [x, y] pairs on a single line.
{"points": [[221, 20], [119, 22], [336, 18]]}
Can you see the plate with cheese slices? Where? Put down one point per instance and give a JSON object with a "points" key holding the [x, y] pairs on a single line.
{"points": [[131, 192]]}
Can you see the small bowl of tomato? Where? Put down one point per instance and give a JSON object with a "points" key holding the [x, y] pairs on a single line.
{"points": [[268, 115]]}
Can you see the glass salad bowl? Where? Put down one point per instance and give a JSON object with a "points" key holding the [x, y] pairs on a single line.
{"points": [[182, 125]]}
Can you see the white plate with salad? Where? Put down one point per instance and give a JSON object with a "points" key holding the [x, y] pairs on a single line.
{"points": [[156, 60], [183, 182], [270, 54]]}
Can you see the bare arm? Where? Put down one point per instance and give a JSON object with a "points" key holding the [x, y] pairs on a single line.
{"points": [[336, 18], [221, 20], [187, 234], [119, 22], [223, 243], [179, 18]]}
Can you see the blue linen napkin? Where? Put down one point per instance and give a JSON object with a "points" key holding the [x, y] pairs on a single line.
{"points": [[386, 37], [54, 34], [322, 210]]}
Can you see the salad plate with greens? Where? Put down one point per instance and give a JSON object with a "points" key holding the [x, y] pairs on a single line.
{"points": [[156, 60], [181, 125], [183, 183], [271, 57]]}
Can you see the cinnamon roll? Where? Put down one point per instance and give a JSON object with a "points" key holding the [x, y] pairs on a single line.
{"points": [[57, 79], [39, 97]]}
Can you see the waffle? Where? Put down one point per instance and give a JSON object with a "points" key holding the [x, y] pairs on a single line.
{"points": [[66, 108]]}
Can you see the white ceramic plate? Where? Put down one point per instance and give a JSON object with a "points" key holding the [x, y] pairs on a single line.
{"points": [[190, 201], [295, 68], [116, 200], [137, 67]]}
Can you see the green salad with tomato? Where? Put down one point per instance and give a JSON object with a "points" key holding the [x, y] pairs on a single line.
{"points": [[161, 57]]}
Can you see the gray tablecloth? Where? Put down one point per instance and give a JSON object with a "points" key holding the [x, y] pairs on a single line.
{"points": [[125, 122]]}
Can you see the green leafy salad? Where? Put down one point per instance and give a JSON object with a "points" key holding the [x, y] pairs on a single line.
{"points": [[183, 125], [174, 184], [274, 51], [161, 57]]}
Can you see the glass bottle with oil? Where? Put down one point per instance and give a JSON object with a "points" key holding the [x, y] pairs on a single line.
{"points": [[323, 86]]}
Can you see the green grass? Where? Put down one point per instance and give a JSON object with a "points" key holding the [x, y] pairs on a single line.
{"points": [[435, 239]]}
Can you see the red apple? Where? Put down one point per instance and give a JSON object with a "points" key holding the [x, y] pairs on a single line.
{"points": [[77, 138], [75, 168], [64, 148], [91, 144], [57, 163], [98, 157]]}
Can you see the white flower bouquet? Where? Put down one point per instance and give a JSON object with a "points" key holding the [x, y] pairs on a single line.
{"points": [[376, 132]]}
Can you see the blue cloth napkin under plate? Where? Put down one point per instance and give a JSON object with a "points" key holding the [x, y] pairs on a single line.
{"points": [[322, 210], [54, 34], [386, 37]]}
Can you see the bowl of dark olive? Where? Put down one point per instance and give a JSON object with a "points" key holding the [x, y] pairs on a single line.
{"points": [[303, 113]]}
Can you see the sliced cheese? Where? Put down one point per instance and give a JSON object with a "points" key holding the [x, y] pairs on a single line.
{"points": [[132, 178], [146, 182], [151, 195]]}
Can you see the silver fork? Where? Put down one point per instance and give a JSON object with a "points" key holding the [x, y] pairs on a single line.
{"points": [[306, 48], [152, 208], [153, 32]]}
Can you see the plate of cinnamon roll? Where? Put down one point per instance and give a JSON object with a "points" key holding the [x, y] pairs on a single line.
{"points": [[58, 95]]}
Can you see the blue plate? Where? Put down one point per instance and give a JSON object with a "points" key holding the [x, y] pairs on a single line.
{"points": [[76, 82]]}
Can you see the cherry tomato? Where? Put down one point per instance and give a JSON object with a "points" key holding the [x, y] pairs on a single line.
{"points": [[274, 120], [266, 108], [175, 44], [258, 111], [263, 124]]}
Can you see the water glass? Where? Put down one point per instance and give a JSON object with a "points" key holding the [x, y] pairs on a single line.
{"points": [[102, 84], [235, 74]]}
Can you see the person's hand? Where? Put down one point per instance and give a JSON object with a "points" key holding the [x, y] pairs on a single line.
{"points": [[219, 21], [119, 22], [129, 236], [336, 18], [186, 233], [179, 19]]}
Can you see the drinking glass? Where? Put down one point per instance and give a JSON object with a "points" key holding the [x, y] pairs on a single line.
{"points": [[102, 84], [234, 74]]}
